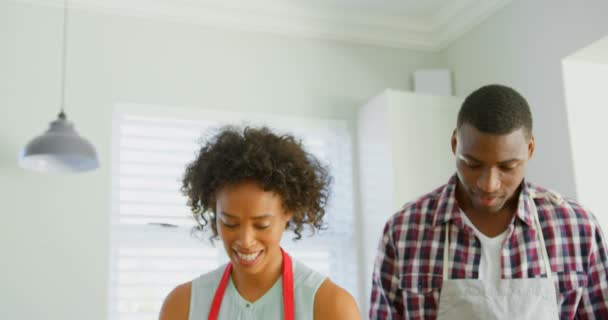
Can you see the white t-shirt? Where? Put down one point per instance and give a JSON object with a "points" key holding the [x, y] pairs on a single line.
{"points": [[490, 264]]}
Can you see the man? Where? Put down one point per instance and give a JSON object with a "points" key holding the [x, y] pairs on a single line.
{"points": [[489, 244]]}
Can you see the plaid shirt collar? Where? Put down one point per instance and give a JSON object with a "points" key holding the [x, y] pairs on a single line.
{"points": [[448, 209]]}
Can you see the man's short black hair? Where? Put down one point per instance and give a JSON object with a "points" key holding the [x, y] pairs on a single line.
{"points": [[496, 109]]}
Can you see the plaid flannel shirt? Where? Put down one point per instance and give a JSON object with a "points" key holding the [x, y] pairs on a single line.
{"points": [[407, 274]]}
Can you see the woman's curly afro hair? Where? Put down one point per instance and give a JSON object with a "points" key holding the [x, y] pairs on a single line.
{"points": [[277, 163]]}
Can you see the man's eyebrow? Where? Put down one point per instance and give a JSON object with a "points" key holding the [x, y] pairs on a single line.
{"points": [[468, 157], [471, 158], [509, 161]]}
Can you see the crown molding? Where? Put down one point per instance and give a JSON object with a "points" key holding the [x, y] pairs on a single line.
{"points": [[430, 34]]}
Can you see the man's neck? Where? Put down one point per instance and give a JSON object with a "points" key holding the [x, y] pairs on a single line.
{"points": [[490, 224]]}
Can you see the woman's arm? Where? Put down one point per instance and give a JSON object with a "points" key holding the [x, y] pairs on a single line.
{"points": [[177, 303], [334, 303]]}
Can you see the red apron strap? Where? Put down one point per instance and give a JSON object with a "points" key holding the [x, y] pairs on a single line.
{"points": [[288, 298], [219, 293]]}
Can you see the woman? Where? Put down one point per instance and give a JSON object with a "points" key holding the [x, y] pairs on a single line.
{"points": [[250, 186]]}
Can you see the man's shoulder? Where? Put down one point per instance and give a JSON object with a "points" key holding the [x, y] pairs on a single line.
{"points": [[421, 209], [554, 205]]}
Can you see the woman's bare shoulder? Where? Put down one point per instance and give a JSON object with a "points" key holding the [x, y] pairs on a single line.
{"points": [[333, 302], [177, 303]]}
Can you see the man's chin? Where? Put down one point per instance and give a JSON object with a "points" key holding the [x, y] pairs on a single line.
{"points": [[492, 209]]}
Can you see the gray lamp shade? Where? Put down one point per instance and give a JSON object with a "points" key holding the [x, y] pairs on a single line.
{"points": [[59, 149]]}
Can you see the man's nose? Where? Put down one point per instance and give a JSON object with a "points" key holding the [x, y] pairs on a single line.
{"points": [[489, 181]]}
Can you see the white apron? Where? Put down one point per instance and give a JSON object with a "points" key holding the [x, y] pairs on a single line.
{"points": [[521, 299]]}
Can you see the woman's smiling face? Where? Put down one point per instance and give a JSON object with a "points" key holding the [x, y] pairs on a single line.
{"points": [[250, 222]]}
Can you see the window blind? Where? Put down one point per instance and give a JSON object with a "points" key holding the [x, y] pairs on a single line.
{"points": [[152, 248]]}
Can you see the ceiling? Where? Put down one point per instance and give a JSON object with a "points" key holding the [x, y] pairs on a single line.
{"points": [[595, 53], [426, 25]]}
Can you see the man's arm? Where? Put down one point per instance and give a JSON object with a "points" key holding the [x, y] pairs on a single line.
{"points": [[594, 300], [386, 300]]}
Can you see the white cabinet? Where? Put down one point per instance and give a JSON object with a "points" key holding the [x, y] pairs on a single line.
{"points": [[404, 152], [585, 79]]}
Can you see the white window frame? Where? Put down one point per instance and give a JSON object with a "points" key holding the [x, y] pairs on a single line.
{"points": [[342, 265]]}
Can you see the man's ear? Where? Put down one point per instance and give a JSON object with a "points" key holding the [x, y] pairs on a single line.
{"points": [[454, 141], [531, 145]]}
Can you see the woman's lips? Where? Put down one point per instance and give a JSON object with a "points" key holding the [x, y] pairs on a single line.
{"points": [[247, 259]]}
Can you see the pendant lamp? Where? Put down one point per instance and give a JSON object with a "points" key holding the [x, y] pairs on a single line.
{"points": [[60, 148]]}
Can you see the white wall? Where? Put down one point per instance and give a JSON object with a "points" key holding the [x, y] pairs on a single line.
{"points": [[522, 46], [54, 230], [585, 79]]}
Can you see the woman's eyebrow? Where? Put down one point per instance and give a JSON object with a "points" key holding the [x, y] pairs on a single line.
{"points": [[259, 217], [263, 216], [228, 215]]}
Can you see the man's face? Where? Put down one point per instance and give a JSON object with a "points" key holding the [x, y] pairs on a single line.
{"points": [[490, 167]]}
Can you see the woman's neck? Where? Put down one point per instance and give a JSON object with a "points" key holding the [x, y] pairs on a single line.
{"points": [[253, 286]]}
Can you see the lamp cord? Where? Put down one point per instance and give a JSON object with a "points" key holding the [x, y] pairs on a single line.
{"points": [[63, 57]]}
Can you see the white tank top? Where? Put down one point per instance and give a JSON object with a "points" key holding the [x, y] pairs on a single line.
{"points": [[269, 306]]}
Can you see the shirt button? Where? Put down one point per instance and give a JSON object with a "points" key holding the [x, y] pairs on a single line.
{"points": [[247, 305]]}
